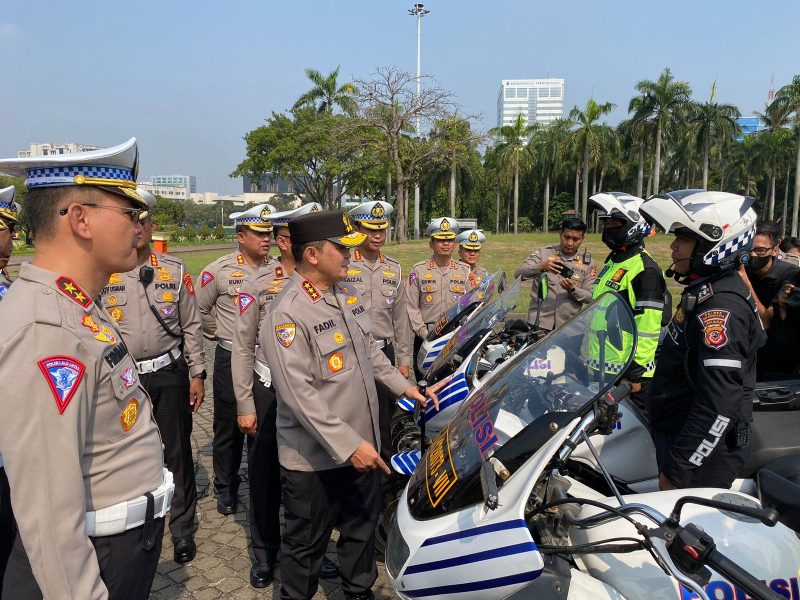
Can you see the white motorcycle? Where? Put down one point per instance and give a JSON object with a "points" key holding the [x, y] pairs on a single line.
{"points": [[493, 509]]}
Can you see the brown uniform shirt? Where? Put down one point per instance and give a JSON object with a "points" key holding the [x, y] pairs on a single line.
{"points": [[432, 290], [5, 284], [255, 295], [476, 275], [382, 289], [324, 363], [172, 294], [559, 305], [76, 428], [218, 294]]}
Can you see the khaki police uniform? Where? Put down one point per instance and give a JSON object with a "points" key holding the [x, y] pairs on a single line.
{"points": [[165, 362], [78, 436], [432, 290], [324, 364], [557, 305], [7, 529], [476, 275], [252, 383], [218, 297]]}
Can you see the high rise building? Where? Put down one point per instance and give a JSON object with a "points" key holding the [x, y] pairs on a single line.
{"points": [[539, 100], [186, 181], [54, 149]]}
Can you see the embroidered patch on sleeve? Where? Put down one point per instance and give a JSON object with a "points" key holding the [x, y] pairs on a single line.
{"points": [[63, 374], [412, 277], [715, 329], [245, 300], [205, 279], [285, 334], [187, 282]]}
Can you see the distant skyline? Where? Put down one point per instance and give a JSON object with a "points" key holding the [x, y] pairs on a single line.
{"points": [[189, 79]]}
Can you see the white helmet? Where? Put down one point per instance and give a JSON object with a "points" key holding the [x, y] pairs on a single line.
{"points": [[723, 224], [622, 206]]}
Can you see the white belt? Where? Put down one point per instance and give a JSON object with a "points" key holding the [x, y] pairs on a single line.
{"points": [[382, 343], [131, 513], [263, 373], [225, 345], [154, 364]]}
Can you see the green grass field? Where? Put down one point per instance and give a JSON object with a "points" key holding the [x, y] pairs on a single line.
{"points": [[504, 251]]}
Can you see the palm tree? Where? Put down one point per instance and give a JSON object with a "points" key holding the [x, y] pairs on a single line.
{"points": [[548, 145], [637, 131], [327, 93], [789, 97], [771, 145], [662, 98], [455, 140], [588, 137], [710, 121], [513, 154]]}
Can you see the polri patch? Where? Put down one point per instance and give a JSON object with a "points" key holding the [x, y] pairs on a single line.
{"points": [[63, 374], [245, 300], [715, 328], [284, 333], [205, 279]]}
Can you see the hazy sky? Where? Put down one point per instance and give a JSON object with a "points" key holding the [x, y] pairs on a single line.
{"points": [[189, 79]]}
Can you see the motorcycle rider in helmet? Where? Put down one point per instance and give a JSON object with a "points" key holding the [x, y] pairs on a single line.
{"points": [[631, 272], [701, 398]]}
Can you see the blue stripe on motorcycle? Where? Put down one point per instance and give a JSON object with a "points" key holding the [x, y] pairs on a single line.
{"points": [[455, 391], [406, 404], [462, 588], [449, 537], [440, 343], [472, 558], [406, 462]]}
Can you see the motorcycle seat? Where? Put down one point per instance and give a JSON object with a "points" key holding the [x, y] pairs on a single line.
{"points": [[773, 436]]}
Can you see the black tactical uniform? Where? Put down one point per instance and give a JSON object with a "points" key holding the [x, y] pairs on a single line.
{"points": [[701, 397]]}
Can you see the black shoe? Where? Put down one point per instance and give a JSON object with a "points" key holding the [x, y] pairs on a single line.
{"points": [[261, 575], [368, 595], [185, 549], [329, 570], [226, 507]]}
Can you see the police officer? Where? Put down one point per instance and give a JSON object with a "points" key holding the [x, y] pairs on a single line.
{"points": [[563, 278], [470, 243], [218, 297], [255, 399], [324, 362], [9, 216], [434, 285], [381, 285], [155, 308], [81, 448], [631, 272], [701, 398]]}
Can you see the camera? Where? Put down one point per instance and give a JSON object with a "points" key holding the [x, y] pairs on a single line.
{"points": [[566, 272]]}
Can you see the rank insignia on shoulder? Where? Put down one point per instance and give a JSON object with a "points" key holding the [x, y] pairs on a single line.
{"points": [[284, 333], [153, 259], [311, 291], [72, 290], [205, 279], [63, 374], [239, 259], [593, 272], [245, 300], [279, 272], [129, 415], [357, 255], [704, 293], [187, 282]]}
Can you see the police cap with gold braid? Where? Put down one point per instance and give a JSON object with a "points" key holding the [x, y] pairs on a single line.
{"points": [[325, 225], [372, 215], [281, 219], [111, 169], [9, 210], [256, 218], [471, 239], [443, 228]]}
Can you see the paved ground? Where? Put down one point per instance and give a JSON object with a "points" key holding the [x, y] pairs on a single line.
{"points": [[222, 566]]}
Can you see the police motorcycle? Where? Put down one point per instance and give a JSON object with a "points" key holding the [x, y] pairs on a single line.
{"points": [[463, 310], [497, 509], [472, 352]]}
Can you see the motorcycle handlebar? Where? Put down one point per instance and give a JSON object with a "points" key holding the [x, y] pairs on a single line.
{"points": [[737, 575]]}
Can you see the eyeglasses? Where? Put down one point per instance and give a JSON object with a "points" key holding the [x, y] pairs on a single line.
{"points": [[134, 214], [761, 251]]}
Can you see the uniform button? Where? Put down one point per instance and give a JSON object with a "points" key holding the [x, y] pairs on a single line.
{"points": [[47, 291]]}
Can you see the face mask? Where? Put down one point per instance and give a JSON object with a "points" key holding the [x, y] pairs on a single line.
{"points": [[759, 262], [611, 236]]}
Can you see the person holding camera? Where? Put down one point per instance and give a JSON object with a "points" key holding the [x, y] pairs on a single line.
{"points": [[766, 277], [632, 273], [155, 308], [563, 279]]}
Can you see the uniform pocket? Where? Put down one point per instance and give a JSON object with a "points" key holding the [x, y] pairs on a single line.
{"points": [[458, 287], [125, 410], [115, 299], [335, 354]]}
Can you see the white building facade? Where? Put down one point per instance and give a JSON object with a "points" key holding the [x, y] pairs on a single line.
{"points": [[168, 192], [54, 149], [538, 100], [187, 181]]}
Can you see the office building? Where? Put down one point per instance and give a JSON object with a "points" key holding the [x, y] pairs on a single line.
{"points": [[187, 181], [539, 100], [53, 149]]}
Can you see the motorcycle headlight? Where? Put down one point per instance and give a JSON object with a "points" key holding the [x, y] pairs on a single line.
{"points": [[396, 550]]}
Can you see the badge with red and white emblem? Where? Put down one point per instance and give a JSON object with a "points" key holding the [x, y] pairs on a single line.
{"points": [[284, 333], [715, 328], [128, 378], [63, 374], [245, 300], [206, 278]]}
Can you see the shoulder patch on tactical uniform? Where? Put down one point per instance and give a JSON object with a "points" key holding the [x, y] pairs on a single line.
{"points": [[715, 330], [63, 374]]}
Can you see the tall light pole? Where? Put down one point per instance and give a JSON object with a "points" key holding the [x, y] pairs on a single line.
{"points": [[418, 11]]}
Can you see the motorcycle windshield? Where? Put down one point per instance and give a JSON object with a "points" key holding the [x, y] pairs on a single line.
{"points": [[482, 292], [483, 320], [509, 419]]}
